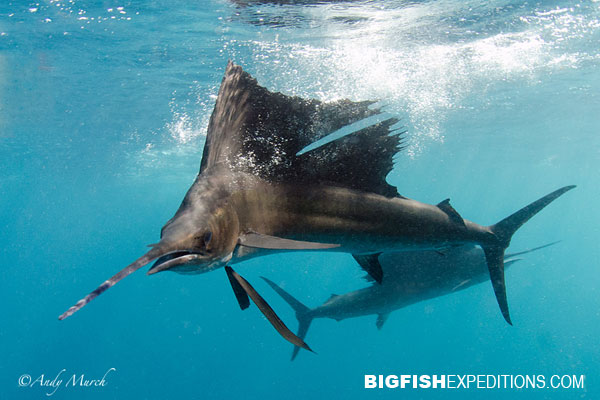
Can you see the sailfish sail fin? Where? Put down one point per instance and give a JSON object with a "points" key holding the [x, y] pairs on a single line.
{"points": [[261, 132]]}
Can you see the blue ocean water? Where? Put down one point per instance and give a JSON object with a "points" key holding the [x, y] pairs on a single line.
{"points": [[103, 113]]}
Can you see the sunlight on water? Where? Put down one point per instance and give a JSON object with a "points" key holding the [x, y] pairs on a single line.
{"points": [[104, 107], [186, 134], [184, 129], [403, 55]]}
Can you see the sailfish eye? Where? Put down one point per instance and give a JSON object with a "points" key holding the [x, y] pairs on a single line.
{"points": [[207, 237], [203, 240]]}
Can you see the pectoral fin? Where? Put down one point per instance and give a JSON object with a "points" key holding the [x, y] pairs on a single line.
{"points": [[370, 263], [267, 310], [238, 290], [261, 241]]}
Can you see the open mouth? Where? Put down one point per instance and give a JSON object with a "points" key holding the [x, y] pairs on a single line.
{"points": [[173, 259]]}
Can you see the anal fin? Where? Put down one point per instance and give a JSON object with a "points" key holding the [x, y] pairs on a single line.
{"points": [[381, 318], [370, 263]]}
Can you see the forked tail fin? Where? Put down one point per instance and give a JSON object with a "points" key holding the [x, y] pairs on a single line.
{"points": [[511, 258], [503, 231], [519, 253], [302, 312]]}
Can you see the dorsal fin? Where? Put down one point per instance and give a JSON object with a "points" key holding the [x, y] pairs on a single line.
{"points": [[450, 211], [333, 296], [360, 161], [260, 132]]}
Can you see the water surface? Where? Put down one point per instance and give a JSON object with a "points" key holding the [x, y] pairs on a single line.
{"points": [[103, 113]]}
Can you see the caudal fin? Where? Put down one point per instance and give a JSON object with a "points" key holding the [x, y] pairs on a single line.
{"points": [[519, 253], [302, 312], [511, 258], [503, 232]]}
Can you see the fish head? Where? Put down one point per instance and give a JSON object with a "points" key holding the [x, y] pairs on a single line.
{"points": [[200, 237]]}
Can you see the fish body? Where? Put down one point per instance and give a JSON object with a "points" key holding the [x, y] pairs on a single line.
{"points": [[411, 277], [259, 191]]}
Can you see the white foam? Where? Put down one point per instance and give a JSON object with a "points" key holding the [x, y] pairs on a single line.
{"points": [[401, 56]]}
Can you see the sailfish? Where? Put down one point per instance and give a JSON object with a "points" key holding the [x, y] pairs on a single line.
{"points": [[259, 191], [410, 277]]}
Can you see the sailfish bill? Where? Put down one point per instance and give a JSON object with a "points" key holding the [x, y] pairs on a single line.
{"points": [[234, 162], [255, 194], [153, 254]]}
